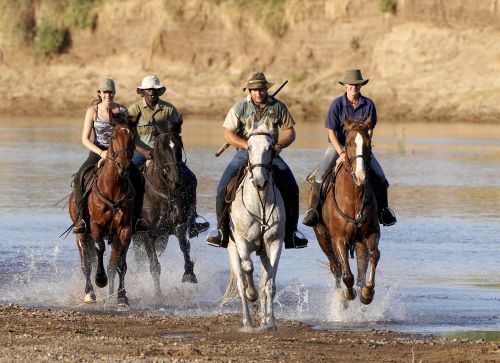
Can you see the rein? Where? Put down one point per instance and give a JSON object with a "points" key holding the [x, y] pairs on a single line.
{"points": [[264, 224], [360, 219]]}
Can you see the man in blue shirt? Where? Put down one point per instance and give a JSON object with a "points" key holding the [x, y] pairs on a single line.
{"points": [[356, 107]]}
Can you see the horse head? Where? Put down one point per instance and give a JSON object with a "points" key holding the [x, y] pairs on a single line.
{"points": [[358, 150], [121, 147], [168, 151], [261, 153]]}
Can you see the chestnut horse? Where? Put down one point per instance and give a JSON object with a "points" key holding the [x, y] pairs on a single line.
{"points": [[110, 209], [349, 216]]}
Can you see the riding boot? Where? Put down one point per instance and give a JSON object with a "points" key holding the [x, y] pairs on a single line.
{"points": [[79, 226], [221, 239], [311, 217], [138, 224], [386, 215], [292, 240], [195, 228]]}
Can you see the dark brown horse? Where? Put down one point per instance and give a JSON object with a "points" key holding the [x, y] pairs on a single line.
{"points": [[349, 216], [169, 204], [110, 209]]}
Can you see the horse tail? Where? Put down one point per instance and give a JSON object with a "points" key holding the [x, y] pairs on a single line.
{"points": [[231, 290]]}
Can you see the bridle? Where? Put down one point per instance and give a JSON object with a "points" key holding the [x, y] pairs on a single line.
{"points": [[163, 166], [365, 158], [269, 165]]}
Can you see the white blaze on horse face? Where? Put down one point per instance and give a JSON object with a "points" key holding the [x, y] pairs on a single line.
{"points": [[360, 163], [171, 144], [124, 128], [260, 154]]}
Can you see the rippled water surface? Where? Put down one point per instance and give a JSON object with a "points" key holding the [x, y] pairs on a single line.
{"points": [[438, 270]]}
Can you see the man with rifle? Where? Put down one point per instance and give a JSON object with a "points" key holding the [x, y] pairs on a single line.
{"points": [[257, 106]]}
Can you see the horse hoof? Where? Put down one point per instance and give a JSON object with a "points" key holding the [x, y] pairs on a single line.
{"points": [[190, 278], [101, 280], [366, 296], [251, 294], [350, 294], [122, 301], [247, 329], [267, 328], [89, 298]]}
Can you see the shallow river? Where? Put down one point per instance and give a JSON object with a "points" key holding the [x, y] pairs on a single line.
{"points": [[438, 270]]}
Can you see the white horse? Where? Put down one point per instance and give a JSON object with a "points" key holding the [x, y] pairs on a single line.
{"points": [[257, 225]]}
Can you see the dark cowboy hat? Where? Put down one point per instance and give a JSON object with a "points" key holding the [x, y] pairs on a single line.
{"points": [[258, 81], [353, 76]]}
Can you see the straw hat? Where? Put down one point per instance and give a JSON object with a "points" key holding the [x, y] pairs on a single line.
{"points": [[258, 81]]}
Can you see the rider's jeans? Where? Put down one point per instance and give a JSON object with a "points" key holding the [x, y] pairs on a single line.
{"points": [[235, 164]]}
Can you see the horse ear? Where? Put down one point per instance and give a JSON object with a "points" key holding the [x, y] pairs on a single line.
{"points": [[347, 122], [269, 123], [367, 122]]}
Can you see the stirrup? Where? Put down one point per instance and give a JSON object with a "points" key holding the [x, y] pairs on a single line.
{"points": [[303, 240], [140, 225], [212, 240], [198, 227]]}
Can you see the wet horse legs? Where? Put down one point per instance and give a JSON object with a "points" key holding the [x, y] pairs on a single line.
{"points": [[87, 257], [368, 290], [341, 251]]}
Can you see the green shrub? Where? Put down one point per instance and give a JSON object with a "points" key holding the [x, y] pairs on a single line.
{"points": [[388, 6], [49, 39], [79, 13], [355, 43], [18, 19]]}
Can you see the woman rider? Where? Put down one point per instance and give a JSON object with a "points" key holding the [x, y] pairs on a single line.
{"points": [[97, 121]]}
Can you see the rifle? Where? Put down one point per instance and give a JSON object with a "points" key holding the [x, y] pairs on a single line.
{"points": [[225, 146]]}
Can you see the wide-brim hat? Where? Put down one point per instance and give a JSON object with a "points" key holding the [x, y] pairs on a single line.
{"points": [[258, 81], [151, 82], [353, 76], [107, 85]]}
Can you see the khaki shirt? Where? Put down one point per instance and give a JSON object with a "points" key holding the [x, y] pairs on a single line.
{"points": [[244, 111], [163, 114]]}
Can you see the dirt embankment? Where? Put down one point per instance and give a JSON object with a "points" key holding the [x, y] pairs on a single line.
{"points": [[70, 336], [431, 60]]}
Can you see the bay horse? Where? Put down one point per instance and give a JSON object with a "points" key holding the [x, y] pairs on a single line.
{"points": [[349, 220], [257, 224], [169, 203], [110, 210]]}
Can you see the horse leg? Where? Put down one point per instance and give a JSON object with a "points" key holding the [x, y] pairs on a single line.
{"points": [[101, 279], [235, 262], [362, 263], [368, 291], [185, 247], [325, 242], [267, 284], [86, 259], [341, 251], [154, 265], [121, 266], [112, 264]]}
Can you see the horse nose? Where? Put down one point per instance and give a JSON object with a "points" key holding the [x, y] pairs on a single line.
{"points": [[260, 184]]}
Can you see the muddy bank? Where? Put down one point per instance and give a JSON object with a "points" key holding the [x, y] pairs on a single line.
{"points": [[44, 335]]}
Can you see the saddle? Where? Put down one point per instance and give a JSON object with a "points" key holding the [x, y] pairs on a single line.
{"points": [[232, 186]]}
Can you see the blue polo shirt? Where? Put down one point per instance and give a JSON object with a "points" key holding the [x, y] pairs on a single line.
{"points": [[338, 109]]}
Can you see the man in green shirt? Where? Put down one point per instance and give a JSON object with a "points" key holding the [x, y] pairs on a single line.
{"points": [[151, 109], [259, 106]]}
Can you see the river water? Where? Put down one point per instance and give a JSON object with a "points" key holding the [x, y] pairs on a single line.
{"points": [[438, 272]]}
